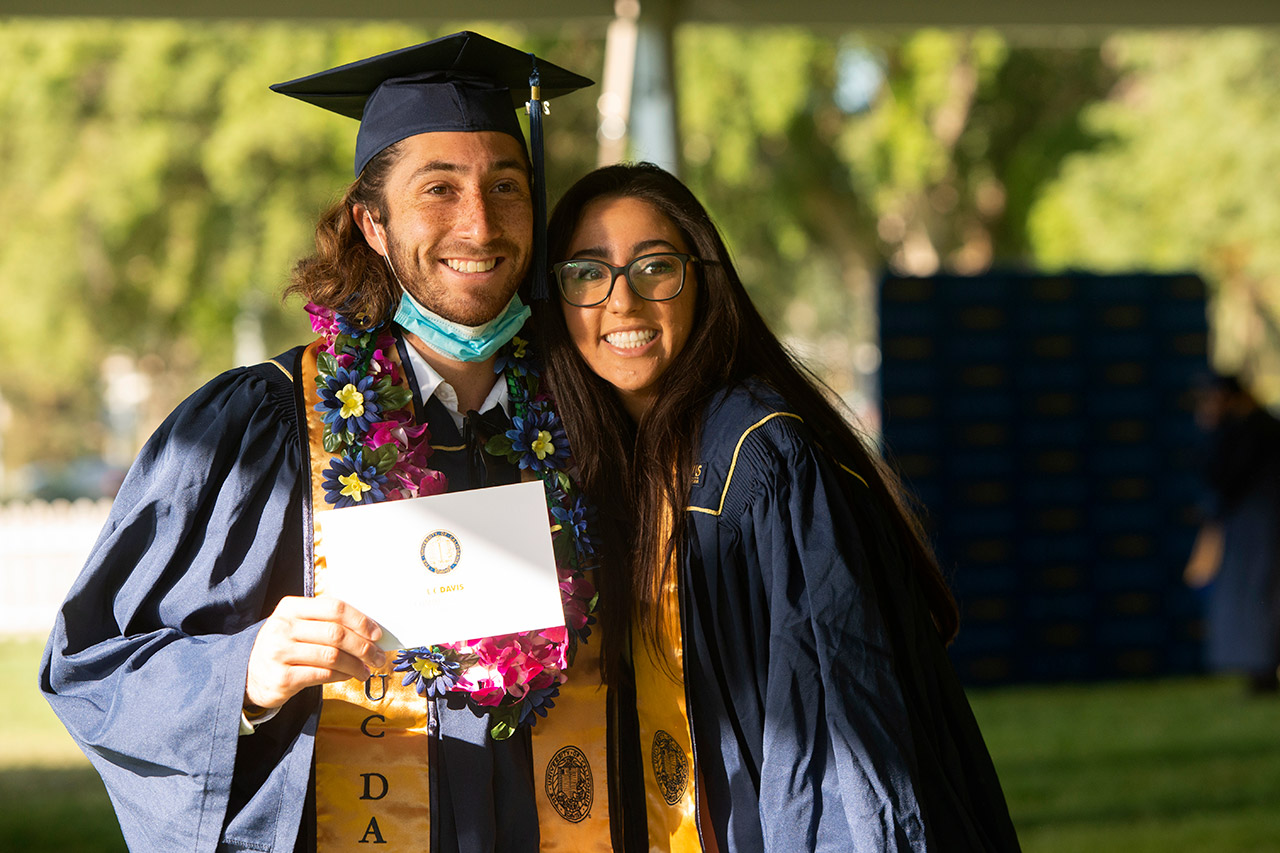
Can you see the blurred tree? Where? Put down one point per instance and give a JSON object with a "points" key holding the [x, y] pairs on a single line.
{"points": [[152, 190], [1185, 180], [827, 158]]}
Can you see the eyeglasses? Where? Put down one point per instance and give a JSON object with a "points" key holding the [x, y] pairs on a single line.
{"points": [[657, 278]]}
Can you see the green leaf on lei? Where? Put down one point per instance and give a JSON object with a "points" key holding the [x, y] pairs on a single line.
{"points": [[394, 398], [499, 445], [327, 365], [505, 718], [334, 441], [382, 459]]}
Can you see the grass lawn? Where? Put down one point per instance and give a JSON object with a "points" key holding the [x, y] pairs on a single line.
{"points": [[1186, 765], [52, 800]]}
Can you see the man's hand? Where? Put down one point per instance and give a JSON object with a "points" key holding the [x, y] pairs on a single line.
{"points": [[309, 641]]}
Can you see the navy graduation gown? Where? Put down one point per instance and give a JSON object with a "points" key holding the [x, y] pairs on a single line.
{"points": [[825, 713], [146, 663]]}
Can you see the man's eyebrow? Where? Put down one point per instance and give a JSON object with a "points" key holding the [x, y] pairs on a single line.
{"points": [[508, 164]]}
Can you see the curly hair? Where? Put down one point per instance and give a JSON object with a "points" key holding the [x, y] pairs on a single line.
{"points": [[345, 274]]}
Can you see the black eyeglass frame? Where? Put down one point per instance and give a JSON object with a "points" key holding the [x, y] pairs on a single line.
{"points": [[614, 272]]}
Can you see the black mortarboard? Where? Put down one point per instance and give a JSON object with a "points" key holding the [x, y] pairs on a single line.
{"points": [[464, 81], [461, 82]]}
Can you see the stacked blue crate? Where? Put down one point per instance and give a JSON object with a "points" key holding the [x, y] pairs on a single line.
{"points": [[1045, 422]]}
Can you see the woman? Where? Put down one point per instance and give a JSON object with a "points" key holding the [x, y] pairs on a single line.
{"points": [[774, 624]]}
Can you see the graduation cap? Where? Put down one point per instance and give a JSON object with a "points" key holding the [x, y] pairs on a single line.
{"points": [[461, 82]]}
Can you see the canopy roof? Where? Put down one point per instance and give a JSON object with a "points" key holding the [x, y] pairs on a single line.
{"points": [[865, 13]]}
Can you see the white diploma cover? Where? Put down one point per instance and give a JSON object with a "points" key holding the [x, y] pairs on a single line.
{"points": [[446, 568]]}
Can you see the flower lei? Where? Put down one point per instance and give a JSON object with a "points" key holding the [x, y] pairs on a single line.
{"points": [[380, 454]]}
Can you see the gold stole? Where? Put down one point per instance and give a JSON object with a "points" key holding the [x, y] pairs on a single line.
{"points": [[570, 760], [666, 744], [373, 783], [372, 779]]}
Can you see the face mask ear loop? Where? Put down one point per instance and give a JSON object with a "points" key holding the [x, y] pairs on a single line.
{"points": [[386, 254]]}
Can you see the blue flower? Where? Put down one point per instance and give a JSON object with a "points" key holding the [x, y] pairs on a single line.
{"points": [[352, 327], [540, 441], [506, 361], [349, 482], [537, 702], [349, 402], [575, 520], [431, 673]]}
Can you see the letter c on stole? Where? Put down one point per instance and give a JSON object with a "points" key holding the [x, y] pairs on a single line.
{"points": [[364, 726]]}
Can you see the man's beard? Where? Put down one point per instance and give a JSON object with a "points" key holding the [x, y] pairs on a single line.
{"points": [[426, 285]]}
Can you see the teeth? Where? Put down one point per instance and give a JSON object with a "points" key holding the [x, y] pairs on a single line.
{"points": [[630, 340], [459, 265]]}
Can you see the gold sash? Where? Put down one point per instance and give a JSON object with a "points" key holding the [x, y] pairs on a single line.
{"points": [[373, 784], [666, 743], [372, 779], [570, 760]]}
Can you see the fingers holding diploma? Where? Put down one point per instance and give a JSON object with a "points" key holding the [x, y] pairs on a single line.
{"points": [[306, 642]]}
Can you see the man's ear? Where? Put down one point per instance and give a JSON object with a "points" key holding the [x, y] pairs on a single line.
{"points": [[371, 230]]}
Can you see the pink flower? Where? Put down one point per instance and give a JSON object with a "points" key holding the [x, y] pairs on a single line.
{"points": [[489, 695], [381, 365], [434, 483], [576, 593], [323, 320], [558, 634], [383, 432]]}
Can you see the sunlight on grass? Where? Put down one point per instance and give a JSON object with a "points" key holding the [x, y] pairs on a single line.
{"points": [[1188, 765]]}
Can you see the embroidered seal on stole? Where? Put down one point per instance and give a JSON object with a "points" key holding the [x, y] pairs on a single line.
{"points": [[670, 767], [569, 784]]}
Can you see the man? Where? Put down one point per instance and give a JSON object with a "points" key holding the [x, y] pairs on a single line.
{"points": [[190, 658]]}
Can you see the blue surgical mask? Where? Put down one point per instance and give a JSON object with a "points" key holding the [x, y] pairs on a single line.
{"points": [[450, 339], [456, 341]]}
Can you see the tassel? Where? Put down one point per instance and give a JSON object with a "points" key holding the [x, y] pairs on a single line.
{"points": [[540, 289]]}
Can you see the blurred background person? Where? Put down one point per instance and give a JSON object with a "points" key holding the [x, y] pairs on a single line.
{"points": [[1237, 554]]}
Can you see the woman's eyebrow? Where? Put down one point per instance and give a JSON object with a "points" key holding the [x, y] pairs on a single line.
{"points": [[645, 245], [636, 250]]}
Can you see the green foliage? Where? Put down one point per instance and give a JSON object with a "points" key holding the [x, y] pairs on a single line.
{"points": [[152, 188], [936, 173], [1183, 180]]}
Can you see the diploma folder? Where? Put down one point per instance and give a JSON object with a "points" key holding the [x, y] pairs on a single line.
{"points": [[445, 568]]}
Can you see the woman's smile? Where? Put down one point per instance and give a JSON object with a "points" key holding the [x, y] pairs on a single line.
{"points": [[627, 340]]}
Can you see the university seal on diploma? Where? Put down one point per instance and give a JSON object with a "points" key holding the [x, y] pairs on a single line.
{"points": [[441, 552]]}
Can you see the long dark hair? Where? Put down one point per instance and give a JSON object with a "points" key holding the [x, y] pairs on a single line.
{"points": [[639, 475]]}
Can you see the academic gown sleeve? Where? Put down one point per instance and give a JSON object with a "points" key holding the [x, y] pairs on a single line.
{"points": [[796, 676], [146, 663]]}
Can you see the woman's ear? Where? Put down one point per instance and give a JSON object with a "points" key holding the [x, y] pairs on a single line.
{"points": [[370, 228]]}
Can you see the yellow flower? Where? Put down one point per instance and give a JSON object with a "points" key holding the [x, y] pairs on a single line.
{"points": [[353, 487], [542, 445], [520, 343], [352, 401], [428, 668]]}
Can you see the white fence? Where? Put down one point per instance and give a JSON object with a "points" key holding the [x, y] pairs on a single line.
{"points": [[42, 548]]}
